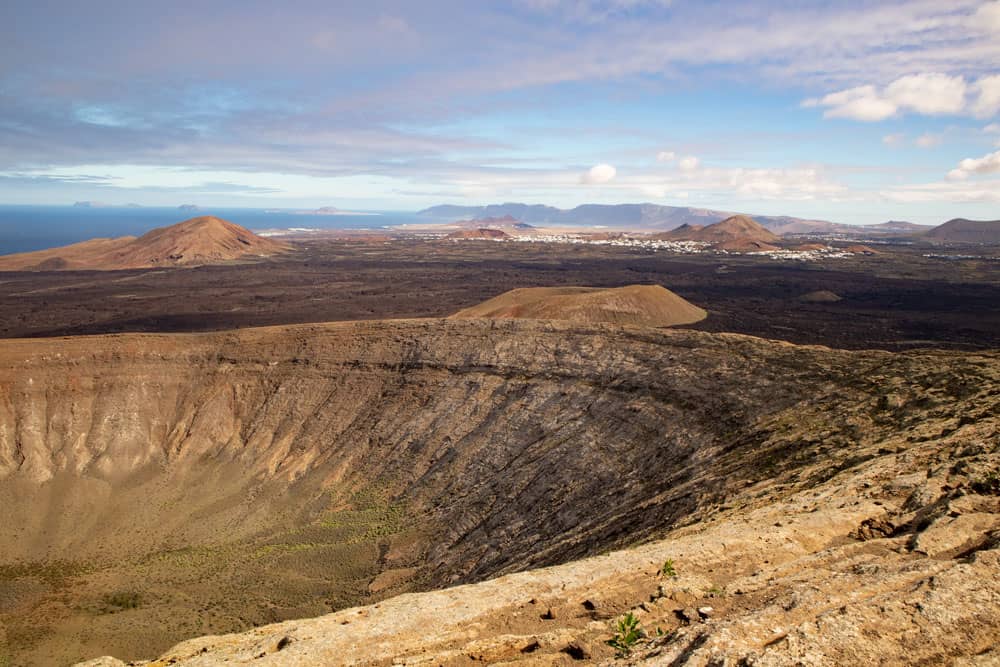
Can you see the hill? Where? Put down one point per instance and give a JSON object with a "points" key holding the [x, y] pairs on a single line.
{"points": [[203, 240], [504, 222], [961, 230], [481, 233], [636, 305], [735, 233]]}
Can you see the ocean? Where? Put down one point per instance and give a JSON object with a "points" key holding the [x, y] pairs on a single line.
{"points": [[27, 228]]}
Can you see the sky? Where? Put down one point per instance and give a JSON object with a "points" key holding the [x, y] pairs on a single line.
{"points": [[856, 112]]}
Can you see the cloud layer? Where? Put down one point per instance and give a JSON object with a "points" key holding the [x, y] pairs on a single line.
{"points": [[450, 99]]}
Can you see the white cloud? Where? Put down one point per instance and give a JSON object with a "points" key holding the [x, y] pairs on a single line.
{"points": [[859, 103], [599, 173], [987, 103], [893, 139], [928, 140], [653, 191], [951, 192], [666, 156], [928, 94], [787, 184], [781, 184], [988, 164], [689, 163], [992, 128], [987, 17]]}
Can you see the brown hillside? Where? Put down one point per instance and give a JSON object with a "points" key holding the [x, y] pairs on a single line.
{"points": [[734, 228], [961, 230], [737, 227], [202, 240], [636, 305], [483, 233], [745, 245], [682, 233], [861, 250]]}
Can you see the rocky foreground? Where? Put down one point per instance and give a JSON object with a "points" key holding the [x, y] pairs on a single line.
{"points": [[894, 561], [815, 506]]}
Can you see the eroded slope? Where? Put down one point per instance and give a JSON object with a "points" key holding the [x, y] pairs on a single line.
{"points": [[877, 542], [239, 478]]}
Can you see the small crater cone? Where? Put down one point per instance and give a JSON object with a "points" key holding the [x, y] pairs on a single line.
{"points": [[635, 305], [861, 250], [821, 296], [198, 241]]}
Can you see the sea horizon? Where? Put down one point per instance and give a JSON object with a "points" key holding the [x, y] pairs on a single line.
{"points": [[29, 227]]}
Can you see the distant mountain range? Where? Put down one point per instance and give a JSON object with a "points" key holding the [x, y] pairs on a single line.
{"points": [[646, 217]]}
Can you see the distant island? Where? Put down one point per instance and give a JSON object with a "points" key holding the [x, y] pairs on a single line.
{"points": [[332, 210], [101, 204]]}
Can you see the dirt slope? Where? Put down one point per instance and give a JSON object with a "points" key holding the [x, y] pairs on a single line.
{"points": [[636, 305], [203, 240]]}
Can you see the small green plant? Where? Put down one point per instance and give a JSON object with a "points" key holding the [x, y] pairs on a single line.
{"points": [[122, 600], [668, 568], [627, 633], [715, 591], [988, 485]]}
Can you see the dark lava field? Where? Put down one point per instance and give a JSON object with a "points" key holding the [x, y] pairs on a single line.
{"points": [[896, 300]]}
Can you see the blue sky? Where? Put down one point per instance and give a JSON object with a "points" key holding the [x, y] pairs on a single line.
{"points": [[849, 111]]}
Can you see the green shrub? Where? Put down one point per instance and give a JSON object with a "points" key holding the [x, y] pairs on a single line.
{"points": [[122, 600], [715, 592], [668, 568], [627, 633], [988, 485]]}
